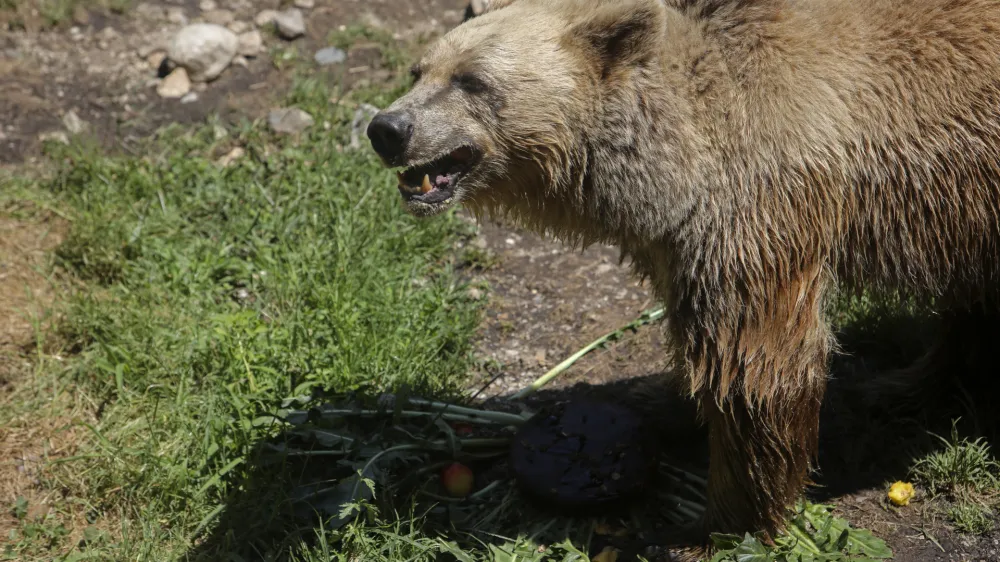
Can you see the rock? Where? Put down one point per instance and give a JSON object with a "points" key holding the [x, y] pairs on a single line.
{"points": [[175, 14], [476, 293], [329, 55], [189, 97], [175, 85], [54, 136], [207, 5], [265, 17], [476, 8], [238, 26], [251, 43], [80, 15], [290, 24], [219, 17], [240, 60], [305, 4], [204, 49], [73, 123], [232, 156], [363, 115], [155, 59], [289, 120]]}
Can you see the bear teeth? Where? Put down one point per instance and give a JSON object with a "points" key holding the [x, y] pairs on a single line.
{"points": [[426, 187], [405, 186]]}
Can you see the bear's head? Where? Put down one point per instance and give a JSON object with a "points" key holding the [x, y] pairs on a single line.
{"points": [[504, 108]]}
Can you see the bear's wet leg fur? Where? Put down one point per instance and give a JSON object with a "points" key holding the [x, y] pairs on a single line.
{"points": [[759, 372]]}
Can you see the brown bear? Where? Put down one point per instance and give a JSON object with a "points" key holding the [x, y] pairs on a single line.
{"points": [[748, 157]]}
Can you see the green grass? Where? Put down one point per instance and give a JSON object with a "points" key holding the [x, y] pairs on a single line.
{"points": [[958, 468], [19, 14], [966, 476], [204, 296]]}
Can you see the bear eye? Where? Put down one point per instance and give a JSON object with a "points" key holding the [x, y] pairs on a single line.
{"points": [[415, 72], [470, 83]]}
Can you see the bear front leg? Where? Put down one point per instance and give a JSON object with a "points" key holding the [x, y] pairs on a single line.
{"points": [[759, 373]]}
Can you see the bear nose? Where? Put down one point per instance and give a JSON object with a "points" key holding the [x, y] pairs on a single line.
{"points": [[390, 133]]}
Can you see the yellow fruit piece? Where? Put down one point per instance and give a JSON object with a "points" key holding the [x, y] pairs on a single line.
{"points": [[900, 493], [607, 555]]}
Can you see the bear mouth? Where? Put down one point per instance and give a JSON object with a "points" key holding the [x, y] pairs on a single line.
{"points": [[435, 181]]}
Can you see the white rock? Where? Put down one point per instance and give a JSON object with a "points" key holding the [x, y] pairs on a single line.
{"points": [[207, 5], [290, 24], [73, 123], [175, 85], [265, 17], [478, 6], [251, 43], [329, 55], [289, 120], [363, 115], [189, 97], [232, 156], [204, 49], [240, 60], [305, 4], [55, 136]]}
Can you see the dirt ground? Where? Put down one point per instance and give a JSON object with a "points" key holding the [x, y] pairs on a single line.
{"points": [[545, 301]]}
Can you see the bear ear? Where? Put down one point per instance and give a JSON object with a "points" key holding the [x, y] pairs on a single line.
{"points": [[622, 32]]}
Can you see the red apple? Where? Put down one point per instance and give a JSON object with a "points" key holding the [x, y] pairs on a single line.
{"points": [[457, 479]]}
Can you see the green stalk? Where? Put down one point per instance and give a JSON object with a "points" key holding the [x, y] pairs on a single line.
{"points": [[645, 318]]}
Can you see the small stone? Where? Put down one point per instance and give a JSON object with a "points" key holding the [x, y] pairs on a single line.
{"points": [[175, 14], [363, 115], [73, 123], [207, 5], [250, 43], [305, 4], [289, 120], [290, 24], [265, 17], [204, 49], [80, 15], [329, 55], [54, 136], [238, 26], [240, 60], [476, 293], [477, 7], [189, 97], [232, 156], [155, 59], [219, 17], [175, 85]]}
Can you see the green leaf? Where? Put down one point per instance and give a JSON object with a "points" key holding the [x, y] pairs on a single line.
{"points": [[751, 550]]}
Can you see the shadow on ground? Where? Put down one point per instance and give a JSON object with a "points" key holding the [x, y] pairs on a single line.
{"points": [[867, 440]]}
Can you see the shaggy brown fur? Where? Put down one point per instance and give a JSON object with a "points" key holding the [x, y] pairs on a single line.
{"points": [[747, 156]]}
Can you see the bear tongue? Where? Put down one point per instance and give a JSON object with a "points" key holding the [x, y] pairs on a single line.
{"points": [[442, 180]]}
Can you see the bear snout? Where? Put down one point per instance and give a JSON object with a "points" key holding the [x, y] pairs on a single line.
{"points": [[390, 134]]}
